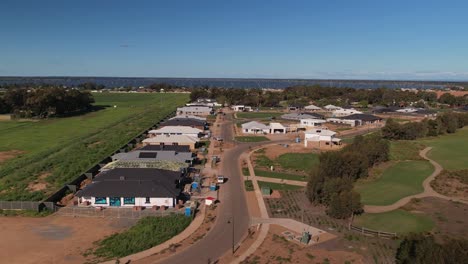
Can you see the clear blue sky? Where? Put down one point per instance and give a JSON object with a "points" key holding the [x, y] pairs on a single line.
{"points": [[409, 39]]}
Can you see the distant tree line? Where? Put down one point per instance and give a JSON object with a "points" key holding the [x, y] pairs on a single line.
{"points": [[331, 183], [445, 123], [302, 95], [44, 102], [421, 249]]}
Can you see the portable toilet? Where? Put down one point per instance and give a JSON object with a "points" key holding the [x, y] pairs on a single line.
{"points": [[213, 187], [188, 211]]}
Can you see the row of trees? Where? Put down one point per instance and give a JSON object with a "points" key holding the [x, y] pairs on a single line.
{"points": [[302, 95], [419, 249], [445, 123], [331, 184], [45, 102]]}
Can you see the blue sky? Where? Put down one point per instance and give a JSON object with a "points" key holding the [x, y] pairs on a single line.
{"points": [[424, 40]]}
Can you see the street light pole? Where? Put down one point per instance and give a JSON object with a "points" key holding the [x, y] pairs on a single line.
{"points": [[231, 221]]}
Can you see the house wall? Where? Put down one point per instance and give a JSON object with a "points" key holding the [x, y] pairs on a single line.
{"points": [[191, 145], [196, 135], [139, 201]]}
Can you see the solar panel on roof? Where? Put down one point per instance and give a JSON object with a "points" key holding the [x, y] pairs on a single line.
{"points": [[147, 155]]}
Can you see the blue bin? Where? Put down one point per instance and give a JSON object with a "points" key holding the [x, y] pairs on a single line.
{"points": [[194, 185], [188, 211], [212, 187]]}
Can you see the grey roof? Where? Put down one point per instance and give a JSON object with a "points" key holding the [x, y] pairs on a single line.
{"points": [[178, 148], [148, 155], [363, 117], [125, 182], [183, 122], [298, 116]]}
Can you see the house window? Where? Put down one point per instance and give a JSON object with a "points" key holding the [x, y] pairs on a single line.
{"points": [[100, 200], [147, 200], [129, 200]]}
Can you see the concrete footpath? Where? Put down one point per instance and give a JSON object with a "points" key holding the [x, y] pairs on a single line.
{"points": [[196, 223], [276, 180]]}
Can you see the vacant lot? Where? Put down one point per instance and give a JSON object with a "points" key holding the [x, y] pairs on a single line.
{"points": [[398, 221], [451, 151], [304, 162], [58, 150], [281, 175], [53, 239], [400, 180], [259, 115]]}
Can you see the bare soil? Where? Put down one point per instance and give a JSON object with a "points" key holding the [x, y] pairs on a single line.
{"points": [[53, 239], [449, 185], [6, 155], [252, 204], [40, 183], [449, 217], [276, 249]]}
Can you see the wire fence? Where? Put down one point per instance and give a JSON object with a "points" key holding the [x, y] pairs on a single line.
{"points": [[27, 205]]}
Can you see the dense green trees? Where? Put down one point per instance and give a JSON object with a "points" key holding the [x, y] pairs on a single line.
{"points": [[331, 183], [421, 249], [446, 123], [45, 102]]}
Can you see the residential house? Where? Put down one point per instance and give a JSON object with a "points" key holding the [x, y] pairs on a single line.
{"points": [[331, 108], [277, 128], [195, 110], [254, 127], [148, 155], [312, 108], [187, 122], [189, 117], [310, 122], [241, 108], [129, 187], [177, 148], [407, 110], [177, 130], [320, 135], [172, 140], [345, 112]]}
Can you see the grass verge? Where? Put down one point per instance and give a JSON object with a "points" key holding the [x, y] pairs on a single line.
{"points": [[398, 221], [280, 175], [252, 139]]}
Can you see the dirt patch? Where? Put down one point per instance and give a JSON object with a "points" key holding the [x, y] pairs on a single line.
{"points": [[252, 204], [40, 183], [449, 217], [53, 239], [452, 184], [6, 155], [276, 249]]}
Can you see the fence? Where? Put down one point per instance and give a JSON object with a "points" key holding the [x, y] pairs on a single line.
{"points": [[27, 205], [129, 213], [366, 231], [49, 202]]}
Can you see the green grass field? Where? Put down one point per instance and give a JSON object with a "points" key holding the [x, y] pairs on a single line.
{"points": [[298, 161], [451, 150], [280, 175], [398, 221], [278, 186], [259, 115], [252, 139], [60, 149], [402, 179], [405, 150]]}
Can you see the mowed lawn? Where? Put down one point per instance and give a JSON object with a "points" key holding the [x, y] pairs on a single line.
{"points": [[251, 139], [280, 175], [401, 179], [450, 150], [397, 221], [60, 149], [298, 161]]}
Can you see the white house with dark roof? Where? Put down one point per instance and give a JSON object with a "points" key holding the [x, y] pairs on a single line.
{"points": [[129, 187], [345, 112], [310, 122]]}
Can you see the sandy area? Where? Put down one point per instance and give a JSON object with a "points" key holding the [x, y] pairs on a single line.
{"points": [[276, 249], [52, 239], [6, 155]]}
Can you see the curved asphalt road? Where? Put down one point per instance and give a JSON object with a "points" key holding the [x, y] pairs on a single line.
{"points": [[233, 203]]}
